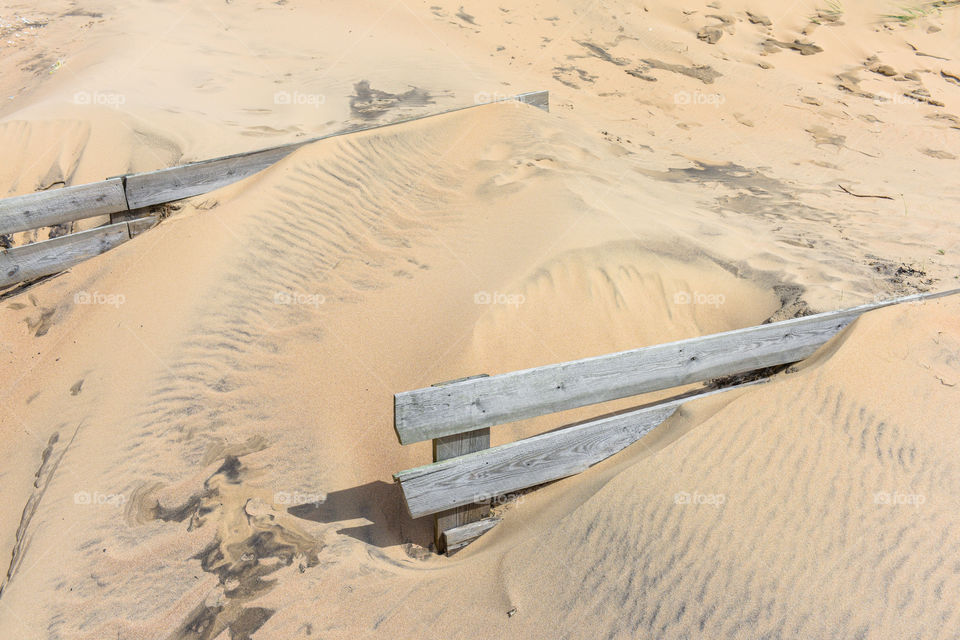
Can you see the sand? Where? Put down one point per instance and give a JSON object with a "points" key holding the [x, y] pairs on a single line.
{"points": [[205, 450]]}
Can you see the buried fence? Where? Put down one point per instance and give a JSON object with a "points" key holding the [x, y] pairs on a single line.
{"points": [[457, 415], [128, 196]]}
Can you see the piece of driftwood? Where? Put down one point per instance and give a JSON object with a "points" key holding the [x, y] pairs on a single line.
{"points": [[51, 256], [49, 208], [460, 537], [430, 413], [533, 461]]}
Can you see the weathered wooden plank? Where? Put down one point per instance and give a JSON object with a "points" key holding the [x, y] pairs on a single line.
{"points": [[460, 537], [527, 463], [429, 413], [48, 208], [539, 99], [50, 256], [176, 183], [451, 447], [139, 225]]}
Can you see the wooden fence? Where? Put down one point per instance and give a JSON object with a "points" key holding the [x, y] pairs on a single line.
{"points": [[458, 415], [129, 195]]}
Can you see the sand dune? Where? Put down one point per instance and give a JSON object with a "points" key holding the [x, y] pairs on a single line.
{"points": [[206, 450]]}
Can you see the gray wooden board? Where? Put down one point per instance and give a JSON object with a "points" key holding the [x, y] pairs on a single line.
{"points": [[133, 191], [526, 463], [430, 413], [176, 183], [461, 536], [48, 208], [50, 256], [452, 447]]}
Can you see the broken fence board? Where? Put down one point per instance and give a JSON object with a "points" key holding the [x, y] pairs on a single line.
{"points": [[49, 208], [459, 537], [50, 256], [477, 477], [430, 413]]}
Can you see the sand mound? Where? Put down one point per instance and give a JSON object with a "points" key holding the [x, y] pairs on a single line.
{"points": [[205, 449]]}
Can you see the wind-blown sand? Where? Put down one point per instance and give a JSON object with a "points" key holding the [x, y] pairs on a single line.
{"points": [[205, 449]]}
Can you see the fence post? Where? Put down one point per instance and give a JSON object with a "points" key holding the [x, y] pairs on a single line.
{"points": [[451, 447]]}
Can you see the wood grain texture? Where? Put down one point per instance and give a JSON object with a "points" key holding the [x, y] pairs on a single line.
{"points": [[135, 191], [526, 463], [50, 256], [175, 183], [48, 208], [452, 447], [459, 537], [430, 413]]}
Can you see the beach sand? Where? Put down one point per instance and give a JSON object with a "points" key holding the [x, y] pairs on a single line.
{"points": [[197, 435]]}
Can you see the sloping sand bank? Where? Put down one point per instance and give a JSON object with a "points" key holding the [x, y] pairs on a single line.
{"points": [[196, 427]]}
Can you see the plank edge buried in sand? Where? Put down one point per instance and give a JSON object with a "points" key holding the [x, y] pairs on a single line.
{"points": [[196, 178], [478, 477], [49, 208], [58, 254], [459, 537], [428, 413]]}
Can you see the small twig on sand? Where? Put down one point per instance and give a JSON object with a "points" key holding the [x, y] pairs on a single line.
{"points": [[861, 195]]}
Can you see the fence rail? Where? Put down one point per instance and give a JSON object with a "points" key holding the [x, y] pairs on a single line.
{"points": [[123, 196], [467, 408]]}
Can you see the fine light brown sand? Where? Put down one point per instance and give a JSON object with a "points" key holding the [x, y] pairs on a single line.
{"points": [[206, 449]]}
